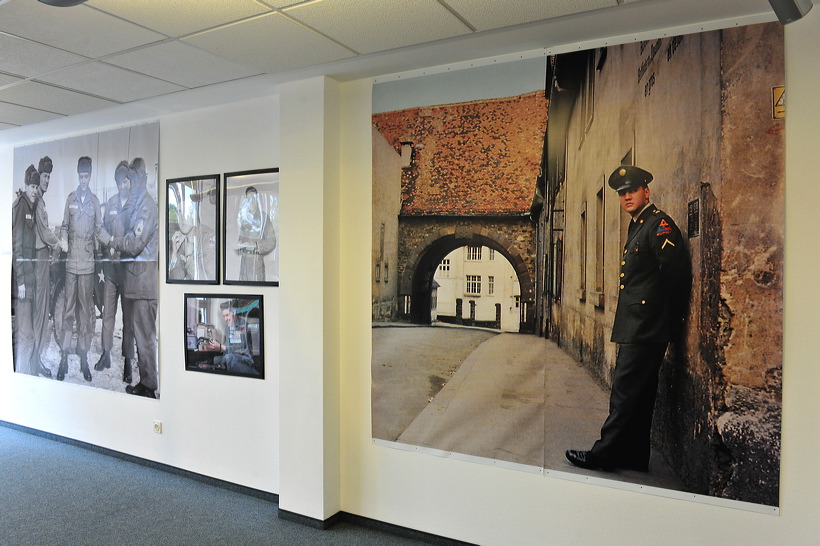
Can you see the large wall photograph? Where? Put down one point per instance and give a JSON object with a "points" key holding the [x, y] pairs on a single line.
{"points": [[85, 227], [502, 243]]}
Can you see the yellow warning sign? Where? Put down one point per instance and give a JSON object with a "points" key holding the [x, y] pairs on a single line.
{"points": [[779, 102]]}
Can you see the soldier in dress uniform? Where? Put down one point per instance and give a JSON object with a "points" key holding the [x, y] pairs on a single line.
{"points": [[654, 286]]}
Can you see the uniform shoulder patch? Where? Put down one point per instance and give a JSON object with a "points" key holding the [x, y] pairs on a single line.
{"points": [[663, 228]]}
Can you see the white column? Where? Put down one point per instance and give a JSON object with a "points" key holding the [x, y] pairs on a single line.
{"points": [[309, 298]]}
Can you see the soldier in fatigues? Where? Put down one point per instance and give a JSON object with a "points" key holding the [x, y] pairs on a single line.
{"points": [[139, 248], [24, 237], [80, 230], [115, 223], [654, 284], [45, 243]]}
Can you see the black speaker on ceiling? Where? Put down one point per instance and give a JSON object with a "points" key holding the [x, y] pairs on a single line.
{"points": [[788, 11]]}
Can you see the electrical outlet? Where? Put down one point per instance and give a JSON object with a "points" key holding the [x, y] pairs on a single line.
{"points": [[158, 427]]}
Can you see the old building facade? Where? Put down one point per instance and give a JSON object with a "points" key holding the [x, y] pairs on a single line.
{"points": [[477, 286], [467, 175], [699, 112]]}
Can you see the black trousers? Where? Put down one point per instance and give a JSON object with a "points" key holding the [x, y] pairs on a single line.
{"points": [[624, 438]]}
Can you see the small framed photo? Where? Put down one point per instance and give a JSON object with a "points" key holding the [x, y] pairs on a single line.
{"points": [[224, 334], [191, 225], [250, 240]]}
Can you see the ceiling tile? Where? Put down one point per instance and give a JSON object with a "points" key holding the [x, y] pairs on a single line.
{"points": [[111, 82], [4, 126], [26, 58], [350, 22], [20, 115], [490, 14], [271, 43], [52, 99], [177, 18], [5, 79], [181, 64], [69, 29]]}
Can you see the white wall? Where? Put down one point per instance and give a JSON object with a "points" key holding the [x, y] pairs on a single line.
{"points": [[221, 426], [491, 505]]}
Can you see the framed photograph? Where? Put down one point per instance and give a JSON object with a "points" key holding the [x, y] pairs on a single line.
{"points": [[250, 249], [191, 221], [223, 334]]}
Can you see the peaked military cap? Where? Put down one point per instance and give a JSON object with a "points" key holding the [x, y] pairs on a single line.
{"points": [[629, 177]]}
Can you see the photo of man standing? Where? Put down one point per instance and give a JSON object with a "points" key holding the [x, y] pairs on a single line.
{"points": [[24, 235], [655, 281], [78, 235]]}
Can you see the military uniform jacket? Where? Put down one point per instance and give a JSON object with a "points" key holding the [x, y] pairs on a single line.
{"points": [[140, 247], [82, 225], [115, 223], [24, 238], [654, 283]]}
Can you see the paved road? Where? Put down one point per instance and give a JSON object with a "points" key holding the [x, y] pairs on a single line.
{"points": [[514, 397]]}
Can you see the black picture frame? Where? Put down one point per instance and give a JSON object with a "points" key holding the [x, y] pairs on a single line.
{"points": [[250, 237], [213, 345], [192, 230]]}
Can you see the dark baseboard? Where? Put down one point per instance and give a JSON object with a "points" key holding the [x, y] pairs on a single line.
{"points": [[397, 530], [361, 521], [249, 491], [308, 521]]}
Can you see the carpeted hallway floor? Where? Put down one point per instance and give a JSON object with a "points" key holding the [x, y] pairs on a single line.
{"points": [[52, 492]]}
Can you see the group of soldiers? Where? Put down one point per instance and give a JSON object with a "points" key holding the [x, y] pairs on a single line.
{"points": [[118, 240]]}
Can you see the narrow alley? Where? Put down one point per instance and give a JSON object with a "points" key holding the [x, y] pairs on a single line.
{"points": [[511, 397]]}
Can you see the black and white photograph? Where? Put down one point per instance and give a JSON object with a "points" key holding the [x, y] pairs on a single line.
{"points": [[251, 227], [85, 257], [191, 222], [223, 334], [634, 333]]}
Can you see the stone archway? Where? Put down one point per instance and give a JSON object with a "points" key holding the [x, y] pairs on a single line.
{"points": [[425, 248]]}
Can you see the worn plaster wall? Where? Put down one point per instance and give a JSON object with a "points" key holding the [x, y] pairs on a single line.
{"points": [[751, 278], [386, 206]]}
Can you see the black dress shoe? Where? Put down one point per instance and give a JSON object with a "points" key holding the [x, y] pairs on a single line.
{"points": [[140, 390], [587, 459]]}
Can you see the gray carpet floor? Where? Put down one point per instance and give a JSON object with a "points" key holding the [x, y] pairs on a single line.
{"points": [[53, 492]]}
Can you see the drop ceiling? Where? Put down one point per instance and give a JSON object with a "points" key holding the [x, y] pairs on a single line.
{"points": [[59, 62]]}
